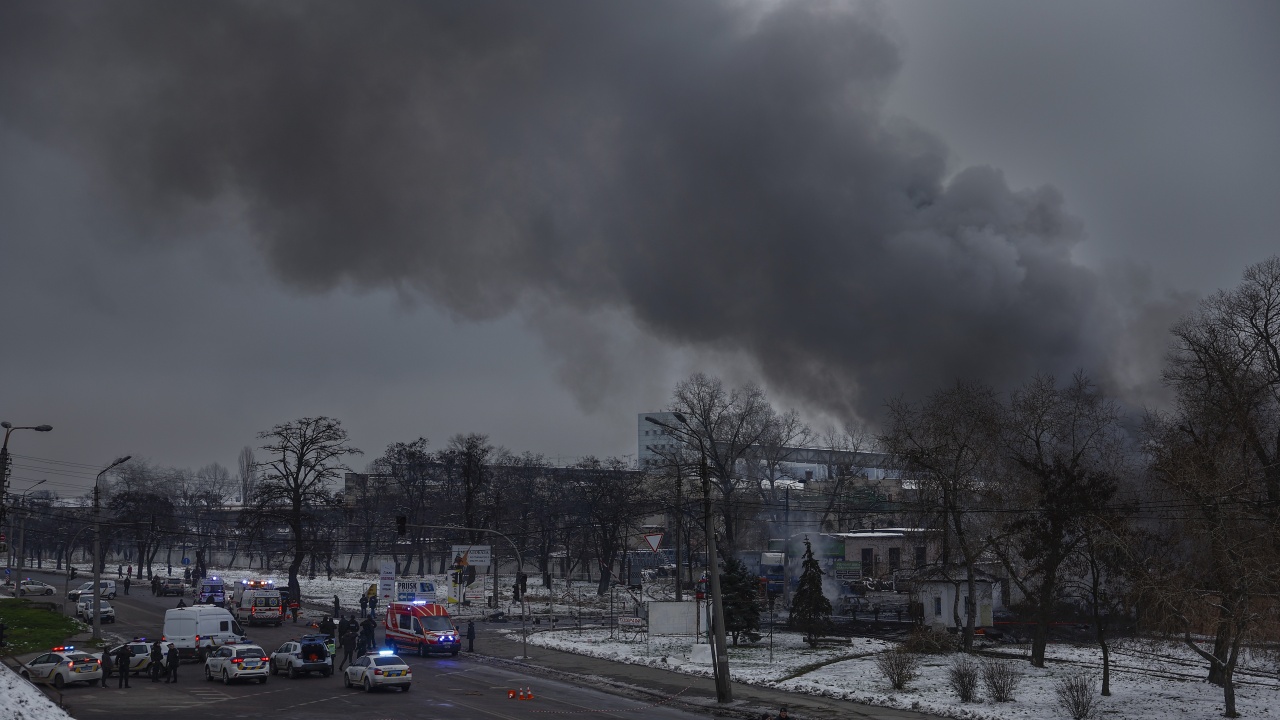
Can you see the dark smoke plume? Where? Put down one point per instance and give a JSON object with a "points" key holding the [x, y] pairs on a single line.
{"points": [[722, 173]]}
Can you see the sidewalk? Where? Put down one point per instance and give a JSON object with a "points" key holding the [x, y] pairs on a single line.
{"points": [[688, 691]]}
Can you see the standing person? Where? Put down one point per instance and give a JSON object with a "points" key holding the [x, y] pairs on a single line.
{"points": [[337, 607], [471, 636], [119, 572], [294, 608], [348, 644], [373, 607], [364, 605], [122, 665], [128, 572], [367, 626], [108, 664], [157, 658], [172, 659], [782, 714], [126, 584]]}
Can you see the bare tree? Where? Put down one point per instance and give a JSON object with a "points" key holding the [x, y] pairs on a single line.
{"points": [[613, 498], [248, 475], [306, 457], [724, 426], [1063, 450], [947, 447]]}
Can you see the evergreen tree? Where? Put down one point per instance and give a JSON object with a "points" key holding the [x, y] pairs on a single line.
{"points": [[810, 609], [740, 595]]}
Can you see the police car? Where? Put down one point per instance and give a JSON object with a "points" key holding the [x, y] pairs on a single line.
{"points": [[377, 670], [63, 665], [237, 662], [84, 609], [139, 655], [306, 655], [34, 587]]}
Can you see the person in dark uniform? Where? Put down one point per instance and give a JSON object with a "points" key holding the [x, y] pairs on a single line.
{"points": [[172, 664], [364, 605], [337, 607], [471, 636], [108, 663], [157, 659], [348, 643], [373, 607], [123, 656], [366, 628], [127, 582]]}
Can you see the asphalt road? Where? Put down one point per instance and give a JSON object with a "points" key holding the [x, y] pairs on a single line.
{"points": [[461, 687]]}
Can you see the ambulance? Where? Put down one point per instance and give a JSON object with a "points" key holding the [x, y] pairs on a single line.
{"points": [[257, 602], [422, 627]]}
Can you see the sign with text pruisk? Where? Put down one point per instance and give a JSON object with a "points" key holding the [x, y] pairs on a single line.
{"points": [[473, 554], [387, 581]]}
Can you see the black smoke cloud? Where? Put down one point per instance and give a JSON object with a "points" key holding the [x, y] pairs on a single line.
{"points": [[722, 173]]}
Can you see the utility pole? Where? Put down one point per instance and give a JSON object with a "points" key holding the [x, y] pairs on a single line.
{"points": [[678, 516], [97, 548], [720, 653]]}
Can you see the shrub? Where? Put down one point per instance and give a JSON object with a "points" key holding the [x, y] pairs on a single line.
{"points": [[1075, 695], [963, 678], [929, 642], [899, 667], [1001, 678]]}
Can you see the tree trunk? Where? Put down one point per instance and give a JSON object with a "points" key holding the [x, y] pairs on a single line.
{"points": [[1221, 643]]}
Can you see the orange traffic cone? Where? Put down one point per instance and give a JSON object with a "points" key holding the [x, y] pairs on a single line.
{"points": [[511, 694], [521, 694], [529, 694]]}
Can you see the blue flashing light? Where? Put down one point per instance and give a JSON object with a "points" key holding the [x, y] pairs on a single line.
{"points": [[419, 602], [64, 648], [385, 653]]}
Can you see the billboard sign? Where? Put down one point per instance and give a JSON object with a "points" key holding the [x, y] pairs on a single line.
{"points": [[473, 555]]}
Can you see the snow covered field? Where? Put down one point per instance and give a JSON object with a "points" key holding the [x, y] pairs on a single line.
{"points": [[1149, 680], [24, 701]]}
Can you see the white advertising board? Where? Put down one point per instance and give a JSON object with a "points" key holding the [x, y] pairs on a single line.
{"points": [[411, 590], [386, 582], [673, 618], [473, 554]]}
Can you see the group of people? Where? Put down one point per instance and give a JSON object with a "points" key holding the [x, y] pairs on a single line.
{"points": [[354, 637], [162, 664], [368, 606]]}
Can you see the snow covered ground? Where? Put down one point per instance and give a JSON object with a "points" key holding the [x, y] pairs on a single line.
{"points": [[24, 701], [1149, 680]]}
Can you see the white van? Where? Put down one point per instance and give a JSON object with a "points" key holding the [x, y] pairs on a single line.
{"points": [[196, 630], [107, 590]]}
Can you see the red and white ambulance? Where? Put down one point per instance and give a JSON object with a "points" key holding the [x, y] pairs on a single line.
{"points": [[421, 627]]}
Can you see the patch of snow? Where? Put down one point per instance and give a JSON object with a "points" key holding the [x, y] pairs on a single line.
{"points": [[24, 701]]}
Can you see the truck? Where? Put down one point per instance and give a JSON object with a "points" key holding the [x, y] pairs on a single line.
{"points": [[257, 602], [420, 626], [197, 630]]}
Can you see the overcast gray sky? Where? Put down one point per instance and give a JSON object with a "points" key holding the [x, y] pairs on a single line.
{"points": [[532, 219]]}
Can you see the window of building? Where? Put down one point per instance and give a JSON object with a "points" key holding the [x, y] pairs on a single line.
{"points": [[937, 606], [920, 556], [895, 558], [867, 567]]}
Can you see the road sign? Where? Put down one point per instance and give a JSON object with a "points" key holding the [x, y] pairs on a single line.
{"points": [[655, 539], [186, 561], [387, 581], [848, 569]]}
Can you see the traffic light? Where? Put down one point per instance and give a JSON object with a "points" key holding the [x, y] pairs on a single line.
{"points": [[402, 525], [523, 579], [469, 574]]}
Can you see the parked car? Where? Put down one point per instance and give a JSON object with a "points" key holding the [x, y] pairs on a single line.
{"points": [[107, 590], [172, 586], [84, 609], [139, 654], [61, 666], [35, 587], [377, 670], [307, 655], [237, 662]]}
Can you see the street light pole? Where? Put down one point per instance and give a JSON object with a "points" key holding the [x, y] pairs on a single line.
{"points": [[4, 459], [719, 651], [97, 548], [22, 528]]}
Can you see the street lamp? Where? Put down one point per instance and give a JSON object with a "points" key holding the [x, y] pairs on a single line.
{"points": [[4, 457], [22, 527], [720, 654], [97, 549]]}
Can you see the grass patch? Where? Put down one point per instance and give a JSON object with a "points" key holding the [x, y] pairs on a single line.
{"points": [[29, 629]]}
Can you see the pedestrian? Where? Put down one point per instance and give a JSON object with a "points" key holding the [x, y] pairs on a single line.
{"points": [[337, 607], [182, 602], [471, 636], [172, 659], [128, 573], [122, 665], [367, 626], [157, 657], [126, 584], [155, 585], [373, 607], [348, 643], [782, 714], [107, 664], [364, 605], [119, 572], [294, 608]]}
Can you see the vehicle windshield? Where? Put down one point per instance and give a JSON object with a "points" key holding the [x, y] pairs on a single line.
{"points": [[387, 660], [436, 623], [250, 652]]}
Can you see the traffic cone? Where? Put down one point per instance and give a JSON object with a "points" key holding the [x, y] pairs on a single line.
{"points": [[511, 694], [521, 694], [529, 695]]}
